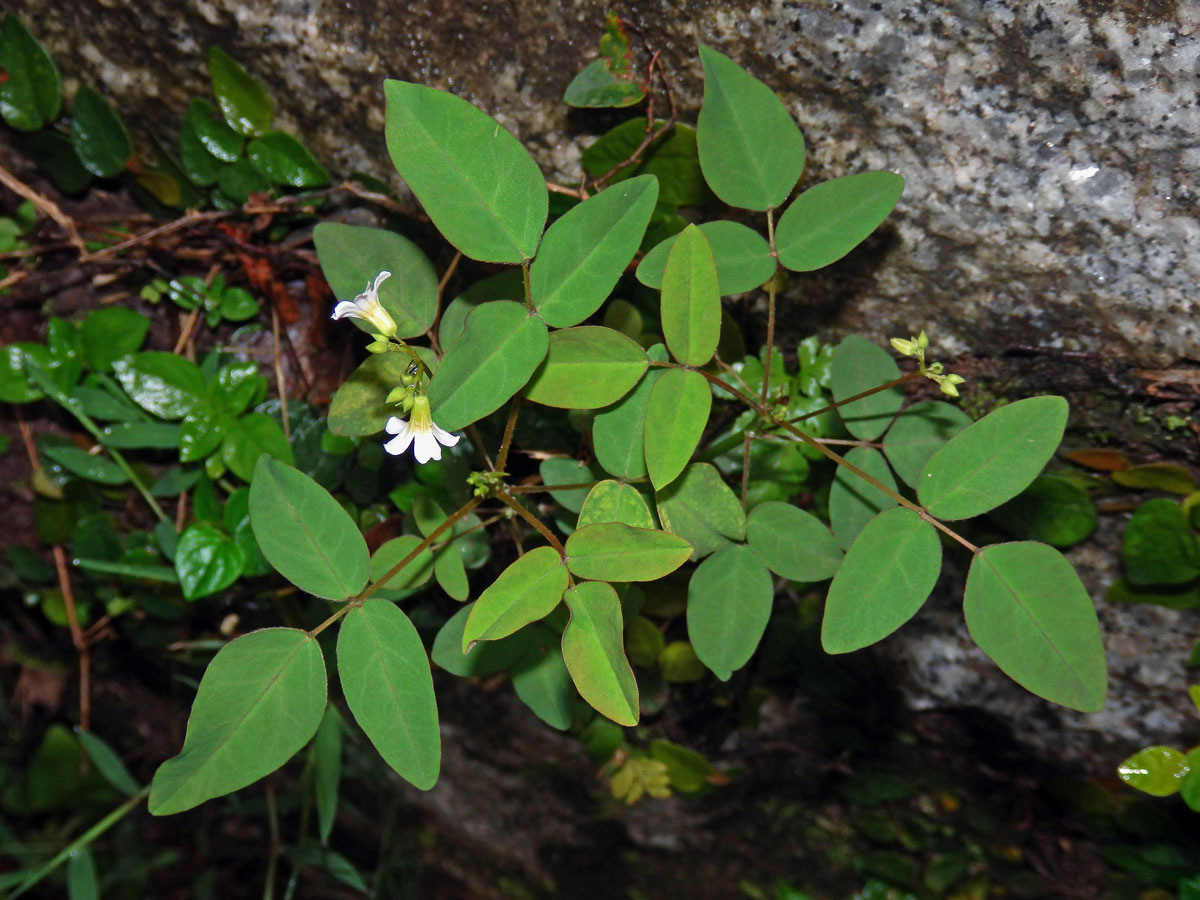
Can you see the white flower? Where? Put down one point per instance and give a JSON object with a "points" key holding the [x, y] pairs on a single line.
{"points": [[366, 306], [427, 439]]}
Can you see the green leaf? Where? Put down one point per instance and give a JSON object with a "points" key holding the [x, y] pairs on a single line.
{"points": [[451, 574], [389, 689], [352, 256], [596, 87], [587, 367], [217, 138], [742, 256], [480, 187], [888, 573], [594, 652], [853, 502], [360, 405], [1158, 547], [859, 365], [586, 251], [702, 509], [284, 160], [1027, 610], [250, 437], [729, 603], [993, 460], [418, 571], [1157, 771], [561, 470], [198, 164], [643, 642], [161, 383], [750, 149], [672, 159], [207, 561], [31, 94], [508, 285], [616, 552], [58, 159], [201, 433], [241, 180], [85, 465], [611, 501], [15, 385], [691, 302], [793, 543], [243, 102], [82, 883], [306, 534], [676, 413], [830, 219], [528, 590], [1159, 476], [108, 763], [542, 681], [98, 135], [918, 433], [1052, 510], [108, 334], [327, 770], [500, 347], [618, 433], [484, 658], [689, 773], [1186, 596], [260, 700]]}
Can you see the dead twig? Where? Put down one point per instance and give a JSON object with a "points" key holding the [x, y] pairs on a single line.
{"points": [[47, 206]]}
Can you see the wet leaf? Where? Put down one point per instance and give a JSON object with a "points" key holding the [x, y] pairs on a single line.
{"points": [[1157, 771], [98, 136], [207, 561], [211, 129], [86, 465], [243, 102], [284, 160], [161, 383], [108, 334], [30, 94]]}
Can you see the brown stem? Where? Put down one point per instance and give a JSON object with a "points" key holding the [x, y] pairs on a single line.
{"points": [[280, 385], [906, 377], [508, 500], [81, 647], [509, 427], [46, 205]]}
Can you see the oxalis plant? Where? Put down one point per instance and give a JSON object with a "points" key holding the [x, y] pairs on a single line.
{"points": [[560, 617]]}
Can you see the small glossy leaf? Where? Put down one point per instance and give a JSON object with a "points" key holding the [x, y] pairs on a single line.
{"points": [[86, 465], [306, 534], [201, 432], [108, 334], [594, 652], [352, 256], [239, 181], [15, 384], [830, 219], [243, 102], [918, 433], [1027, 610], [360, 405], [616, 552], [108, 763], [542, 681], [587, 367], [888, 573], [214, 134], [250, 437], [385, 675], [859, 365], [1158, 547], [676, 413], [793, 543], [480, 187], [327, 770], [993, 460], [750, 149], [691, 301], [500, 347], [30, 94], [586, 251], [853, 502], [528, 590], [284, 160], [98, 135], [200, 166], [742, 256], [260, 700], [206, 561], [611, 501], [618, 433], [484, 658], [414, 574], [729, 603], [161, 383], [1052, 510], [702, 509], [57, 158], [1157, 771]]}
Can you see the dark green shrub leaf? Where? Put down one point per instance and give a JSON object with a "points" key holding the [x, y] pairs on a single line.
{"points": [[586, 251], [1157, 771], [852, 502], [1185, 596], [618, 433], [260, 700], [241, 180], [108, 334], [676, 413], [85, 465], [98, 135], [691, 301], [108, 763], [918, 433], [161, 383], [742, 256], [198, 164], [888, 573], [594, 652], [480, 187], [214, 134], [793, 543], [30, 95], [15, 385], [1027, 610], [1052, 510], [359, 406], [528, 590], [643, 642], [857, 366], [830, 219], [57, 157], [243, 102], [702, 509], [1159, 547], [560, 470], [750, 149], [250, 437], [201, 433], [672, 159], [616, 552], [611, 501], [542, 681], [993, 460], [306, 534], [484, 658], [327, 770], [500, 347], [284, 160], [587, 367], [729, 604], [207, 561], [596, 86], [389, 689]]}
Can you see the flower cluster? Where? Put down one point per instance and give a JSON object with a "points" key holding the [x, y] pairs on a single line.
{"points": [[947, 383]]}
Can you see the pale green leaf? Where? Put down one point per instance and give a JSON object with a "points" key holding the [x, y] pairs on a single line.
{"points": [[691, 301], [611, 501], [676, 414], [616, 552], [528, 590], [594, 652], [830, 219], [587, 367], [742, 256], [702, 509]]}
